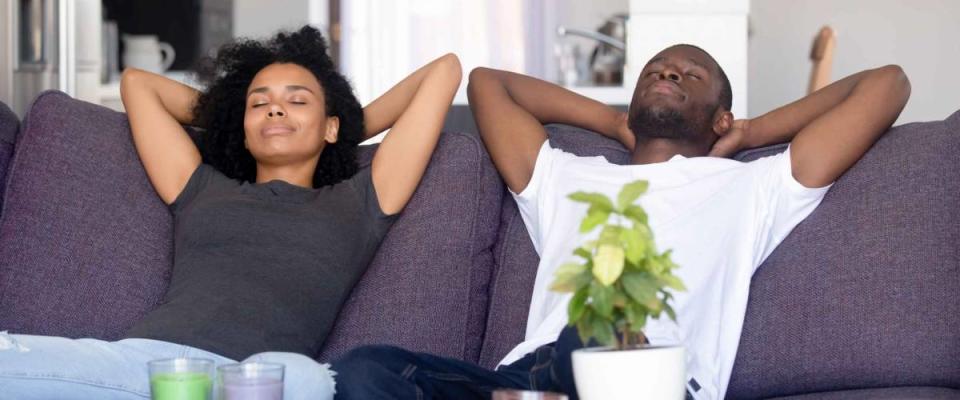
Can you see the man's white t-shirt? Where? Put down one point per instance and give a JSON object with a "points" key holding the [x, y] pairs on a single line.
{"points": [[720, 217]]}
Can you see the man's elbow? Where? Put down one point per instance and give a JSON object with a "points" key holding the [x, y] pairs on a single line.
{"points": [[482, 80], [478, 78], [894, 76]]}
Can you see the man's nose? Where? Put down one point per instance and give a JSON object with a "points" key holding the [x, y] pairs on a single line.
{"points": [[671, 74]]}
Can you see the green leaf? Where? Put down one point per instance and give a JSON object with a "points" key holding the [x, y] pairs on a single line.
{"points": [[602, 297], [671, 281], [630, 193], [634, 245], [569, 277], [641, 286], [577, 305], [593, 199], [637, 317], [610, 235], [636, 214], [654, 305], [619, 298], [655, 266], [583, 252], [602, 331], [595, 216], [585, 328], [670, 313], [608, 264]]}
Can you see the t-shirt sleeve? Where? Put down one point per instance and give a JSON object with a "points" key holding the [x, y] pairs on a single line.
{"points": [[362, 184], [199, 181], [783, 200], [535, 202]]}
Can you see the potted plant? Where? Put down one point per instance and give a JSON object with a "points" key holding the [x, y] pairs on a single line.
{"points": [[621, 281]]}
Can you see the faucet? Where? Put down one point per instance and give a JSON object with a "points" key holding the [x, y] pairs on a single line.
{"points": [[608, 40]]}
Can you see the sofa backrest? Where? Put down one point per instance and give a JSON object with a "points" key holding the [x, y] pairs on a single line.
{"points": [[426, 289], [9, 126], [866, 291], [86, 244]]}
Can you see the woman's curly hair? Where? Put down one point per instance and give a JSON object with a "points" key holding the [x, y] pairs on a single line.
{"points": [[219, 109]]}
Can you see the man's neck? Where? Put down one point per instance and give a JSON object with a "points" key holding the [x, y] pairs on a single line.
{"points": [[654, 150]]}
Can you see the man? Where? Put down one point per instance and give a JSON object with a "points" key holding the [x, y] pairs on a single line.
{"points": [[720, 217]]}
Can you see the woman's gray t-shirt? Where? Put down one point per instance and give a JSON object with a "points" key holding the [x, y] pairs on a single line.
{"points": [[264, 267]]}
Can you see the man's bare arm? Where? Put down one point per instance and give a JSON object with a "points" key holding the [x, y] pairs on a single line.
{"points": [[831, 128], [511, 109]]}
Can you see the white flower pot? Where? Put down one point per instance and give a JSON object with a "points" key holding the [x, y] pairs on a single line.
{"points": [[649, 373]]}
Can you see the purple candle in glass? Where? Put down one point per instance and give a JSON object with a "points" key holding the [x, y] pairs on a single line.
{"points": [[251, 381]]}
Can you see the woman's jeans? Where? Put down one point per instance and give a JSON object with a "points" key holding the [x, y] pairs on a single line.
{"points": [[47, 367]]}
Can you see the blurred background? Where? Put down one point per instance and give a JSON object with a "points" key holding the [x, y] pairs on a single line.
{"points": [[595, 47]]}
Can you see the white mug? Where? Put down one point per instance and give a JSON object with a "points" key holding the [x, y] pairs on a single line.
{"points": [[146, 52]]}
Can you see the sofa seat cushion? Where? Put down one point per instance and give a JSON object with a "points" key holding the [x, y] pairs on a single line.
{"points": [[889, 393], [426, 289]]}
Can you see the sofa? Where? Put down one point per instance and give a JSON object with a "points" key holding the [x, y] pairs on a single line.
{"points": [[861, 301]]}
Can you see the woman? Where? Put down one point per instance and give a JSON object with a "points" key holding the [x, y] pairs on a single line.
{"points": [[274, 223]]}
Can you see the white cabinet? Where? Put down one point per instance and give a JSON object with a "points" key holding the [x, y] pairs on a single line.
{"points": [[717, 26]]}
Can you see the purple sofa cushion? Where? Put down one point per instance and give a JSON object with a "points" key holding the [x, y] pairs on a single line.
{"points": [[515, 260], [426, 289], [864, 293], [9, 126], [889, 393], [84, 240]]}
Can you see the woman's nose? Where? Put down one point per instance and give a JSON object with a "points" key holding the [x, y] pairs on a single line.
{"points": [[276, 111]]}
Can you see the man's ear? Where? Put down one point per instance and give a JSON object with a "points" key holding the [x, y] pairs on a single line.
{"points": [[333, 129], [722, 121]]}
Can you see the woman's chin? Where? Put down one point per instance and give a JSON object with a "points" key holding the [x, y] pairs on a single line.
{"points": [[284, 156]]}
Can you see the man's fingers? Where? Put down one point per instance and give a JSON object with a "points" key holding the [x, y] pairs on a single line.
{"points": [[722, 148]]}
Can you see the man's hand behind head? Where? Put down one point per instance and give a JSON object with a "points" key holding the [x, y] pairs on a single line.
{"points": [[733, 140]]}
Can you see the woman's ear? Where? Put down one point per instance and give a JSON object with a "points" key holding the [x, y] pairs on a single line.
{"points": [[722, 121], [333, 129]]}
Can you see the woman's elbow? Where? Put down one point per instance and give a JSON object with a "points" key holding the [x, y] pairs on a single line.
{"points": [[449, 66]]}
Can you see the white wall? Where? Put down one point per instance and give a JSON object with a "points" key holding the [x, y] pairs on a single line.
{"points": [[717, 26], [922, 36], [260, 19]]}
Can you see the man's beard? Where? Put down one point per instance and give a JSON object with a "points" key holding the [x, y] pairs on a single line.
{"points": [[667, 123]]}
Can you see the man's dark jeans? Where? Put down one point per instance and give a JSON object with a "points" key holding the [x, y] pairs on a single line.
{"points": [[385, 372]]}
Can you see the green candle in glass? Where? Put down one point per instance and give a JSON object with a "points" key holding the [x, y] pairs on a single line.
{"points": [[181, 379]]}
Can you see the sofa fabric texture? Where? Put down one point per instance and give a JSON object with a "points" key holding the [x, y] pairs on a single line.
{"points": [[861, 301]]}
